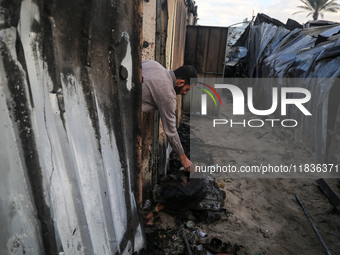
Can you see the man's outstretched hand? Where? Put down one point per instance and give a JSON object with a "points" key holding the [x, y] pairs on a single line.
{"points": [[185, 162]]}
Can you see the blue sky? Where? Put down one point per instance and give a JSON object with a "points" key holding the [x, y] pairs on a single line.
{"points": [[228, 12]]}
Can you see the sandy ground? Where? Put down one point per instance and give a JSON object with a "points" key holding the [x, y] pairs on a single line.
{"points": [[265, 216]]}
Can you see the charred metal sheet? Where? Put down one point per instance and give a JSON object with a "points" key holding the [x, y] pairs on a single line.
{"points": [[22, 223], [71, 111]]}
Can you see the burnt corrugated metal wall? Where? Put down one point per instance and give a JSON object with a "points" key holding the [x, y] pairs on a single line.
{"points": [[70, 111]]}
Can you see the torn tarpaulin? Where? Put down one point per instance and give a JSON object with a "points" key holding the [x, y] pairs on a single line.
{"points": [[179, 194], [327, 34], [276, 52], [263, 18]]}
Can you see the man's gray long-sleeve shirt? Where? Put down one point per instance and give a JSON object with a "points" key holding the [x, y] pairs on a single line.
{"points": [[158, 93]]}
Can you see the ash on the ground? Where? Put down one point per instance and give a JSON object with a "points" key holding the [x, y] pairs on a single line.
{"points": [[167, 235]]}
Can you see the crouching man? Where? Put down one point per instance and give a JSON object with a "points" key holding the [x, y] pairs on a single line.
{"points": [[159, 90]]}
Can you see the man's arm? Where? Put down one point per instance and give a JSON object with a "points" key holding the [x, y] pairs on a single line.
{"points": [[167, 109]]}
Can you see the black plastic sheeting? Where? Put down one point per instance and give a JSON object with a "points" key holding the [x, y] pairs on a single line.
{"points": [[278, 52]]}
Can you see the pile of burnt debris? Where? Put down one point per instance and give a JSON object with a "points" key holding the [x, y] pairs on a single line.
{"points": [[182, 241], [189, 204]]}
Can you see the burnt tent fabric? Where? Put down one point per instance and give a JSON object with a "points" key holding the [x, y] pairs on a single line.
{"points": [[276, 51], [292, 24], [263, 18], [214, 198], [179, 194]]}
